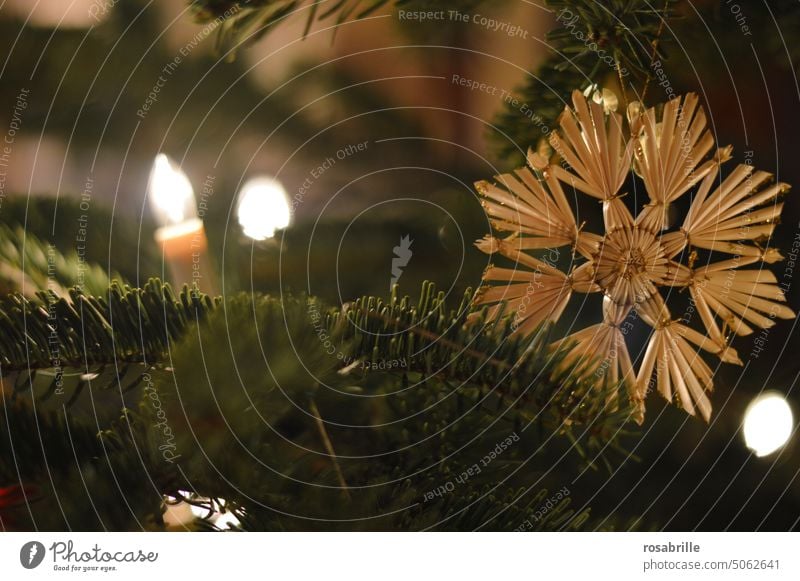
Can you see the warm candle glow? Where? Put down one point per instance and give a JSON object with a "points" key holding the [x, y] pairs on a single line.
{"points": [[263, 208], [170, 192], [768, 423], [180, 234]]}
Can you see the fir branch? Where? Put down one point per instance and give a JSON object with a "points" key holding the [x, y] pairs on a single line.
{"points": [[29, 264], [246, 23], [51, 342], [435, 341], [52, 345], [253, 413], [244, 396], [625, 29], [593, 42], [77, 477], [126, 325]]}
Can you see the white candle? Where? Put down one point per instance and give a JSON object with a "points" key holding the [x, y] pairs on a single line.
{"points": [[181, 234]]}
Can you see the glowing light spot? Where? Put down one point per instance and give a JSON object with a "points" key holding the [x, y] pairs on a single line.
{"points": [[170, 193], [768, 423], [263, 208]]}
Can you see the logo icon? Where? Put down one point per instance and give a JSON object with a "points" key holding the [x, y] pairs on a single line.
{"points": [[402, 254], [31, 554]]}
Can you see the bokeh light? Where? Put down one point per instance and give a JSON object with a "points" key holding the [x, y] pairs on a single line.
{"points": [[768, 424]]}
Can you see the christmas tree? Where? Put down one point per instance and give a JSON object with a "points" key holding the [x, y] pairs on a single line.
{"points": [[397, 265]]}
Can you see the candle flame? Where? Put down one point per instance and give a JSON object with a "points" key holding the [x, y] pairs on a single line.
{"points": [[170, 192]]}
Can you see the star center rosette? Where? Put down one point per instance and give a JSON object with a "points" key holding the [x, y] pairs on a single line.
{"points": [[638, 260]]}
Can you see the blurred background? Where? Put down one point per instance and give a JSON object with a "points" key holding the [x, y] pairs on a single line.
{"points": [[376, 130]]}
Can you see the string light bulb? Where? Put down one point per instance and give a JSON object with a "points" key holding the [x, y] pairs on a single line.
{"points": [[768, 423], [263, 208]]}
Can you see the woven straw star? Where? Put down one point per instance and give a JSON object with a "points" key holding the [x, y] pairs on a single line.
{"points": [[636, 263]]}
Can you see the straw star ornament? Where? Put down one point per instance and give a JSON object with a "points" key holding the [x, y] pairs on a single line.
{"points": [[639, 262]]}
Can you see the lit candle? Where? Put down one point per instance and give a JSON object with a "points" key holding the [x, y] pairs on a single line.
{"points": [[180, 234], [263, 208]]}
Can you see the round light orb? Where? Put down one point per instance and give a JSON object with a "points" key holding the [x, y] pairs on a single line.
{"points": [[768, 423], [263, 208]]}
